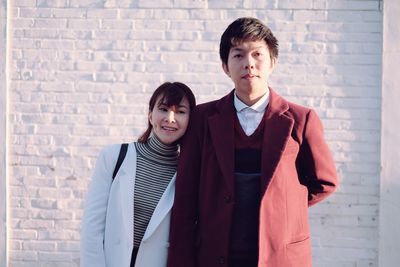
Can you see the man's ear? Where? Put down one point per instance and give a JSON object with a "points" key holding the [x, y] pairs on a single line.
{"points": [[274, 61], [226, 69]]}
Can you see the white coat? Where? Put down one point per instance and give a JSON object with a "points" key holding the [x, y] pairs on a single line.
{"points": [[108, 216]]}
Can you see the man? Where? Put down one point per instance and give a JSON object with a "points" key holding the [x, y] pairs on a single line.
{"points": [[251, 163]]}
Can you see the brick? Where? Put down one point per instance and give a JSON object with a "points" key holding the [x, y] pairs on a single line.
{"points": [[25, 12], [34, 245], [174, 14], [23, 3], [68, 246], [23, 255], [86, 3], [155, 3], [137, 13], [215, 4], [206, 14], [192, 4], [300, 4], [309, 15], [50, 23], [52, 3], [23, 234], [69, 12], [83, 24], [54, 256], [116, 24], [259, 4]]}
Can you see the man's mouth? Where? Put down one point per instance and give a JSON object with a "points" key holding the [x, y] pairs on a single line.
{"points": [[249, 76]]}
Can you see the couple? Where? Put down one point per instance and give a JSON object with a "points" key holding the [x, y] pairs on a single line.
{"points": [[250, 165]]}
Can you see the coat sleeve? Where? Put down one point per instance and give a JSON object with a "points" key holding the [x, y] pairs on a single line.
{"points": [[185, 210], [93, 224], [317, 168]]}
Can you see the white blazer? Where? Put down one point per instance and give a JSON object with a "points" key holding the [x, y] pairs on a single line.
{"points": [[108, 217]]}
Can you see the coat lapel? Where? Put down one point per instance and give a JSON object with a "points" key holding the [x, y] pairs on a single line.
{"points": [[162, 209], [278, 128], [222, 135], [125, 176]]}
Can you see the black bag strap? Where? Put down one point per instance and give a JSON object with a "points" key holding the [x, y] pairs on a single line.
{"points": [[121, 157]]}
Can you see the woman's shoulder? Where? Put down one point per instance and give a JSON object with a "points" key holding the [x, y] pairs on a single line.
{"points": [[110, 152]]}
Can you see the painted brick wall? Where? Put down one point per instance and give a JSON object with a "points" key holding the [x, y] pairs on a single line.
{"points": [[81, 73]]}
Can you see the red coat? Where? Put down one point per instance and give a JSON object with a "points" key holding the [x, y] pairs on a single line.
{"points": [[297, 171]]}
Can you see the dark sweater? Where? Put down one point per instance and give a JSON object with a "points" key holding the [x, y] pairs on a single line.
{"points": [[245, 223]]}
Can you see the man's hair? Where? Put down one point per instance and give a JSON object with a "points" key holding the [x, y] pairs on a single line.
{"points": [[246, 29]]}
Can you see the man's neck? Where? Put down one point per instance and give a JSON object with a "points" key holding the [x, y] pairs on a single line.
{"points": [[250, 99]]}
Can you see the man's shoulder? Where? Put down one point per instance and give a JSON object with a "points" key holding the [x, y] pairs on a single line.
{"points": [[213, 106], [206, 107], [297, 112], [297, 108]]}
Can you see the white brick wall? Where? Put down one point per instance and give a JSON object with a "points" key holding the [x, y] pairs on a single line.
{"points": [[81, 73]]}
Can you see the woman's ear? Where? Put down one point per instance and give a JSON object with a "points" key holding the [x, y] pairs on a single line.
{"points": [[150, 116]]}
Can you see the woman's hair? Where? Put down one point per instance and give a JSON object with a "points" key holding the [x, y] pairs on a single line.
{"points": [[247, 29], [171, 94]]}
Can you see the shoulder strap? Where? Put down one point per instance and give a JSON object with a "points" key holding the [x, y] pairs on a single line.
{"points": [[121, 157]]}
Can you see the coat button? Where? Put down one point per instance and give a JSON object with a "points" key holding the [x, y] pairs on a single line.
{"points": [[228, 199], [221, 260]]}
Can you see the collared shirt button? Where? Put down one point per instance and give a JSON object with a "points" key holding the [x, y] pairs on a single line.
{"points": [[221, 260], [228, 199]]}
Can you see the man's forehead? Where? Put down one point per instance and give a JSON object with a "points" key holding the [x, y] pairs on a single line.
{"points": [[245, 45]]}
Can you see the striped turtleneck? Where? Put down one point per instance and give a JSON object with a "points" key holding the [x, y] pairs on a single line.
{"points": [[156, 164]]}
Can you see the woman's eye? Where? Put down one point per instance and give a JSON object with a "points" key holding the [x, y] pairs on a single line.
{"points": [[237, 56], [163, 109]]}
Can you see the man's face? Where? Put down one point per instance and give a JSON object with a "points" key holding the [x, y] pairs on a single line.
{"points": [[249, 66]]}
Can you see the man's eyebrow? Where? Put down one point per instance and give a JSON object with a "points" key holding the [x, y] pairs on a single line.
{"points": [[241, 49]]}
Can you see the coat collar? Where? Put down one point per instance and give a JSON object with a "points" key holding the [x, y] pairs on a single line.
{"points": [[278, 127], [162, 209], [126, 181]]}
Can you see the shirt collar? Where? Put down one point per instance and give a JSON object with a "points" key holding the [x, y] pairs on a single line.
{"points": [[259, 106]]}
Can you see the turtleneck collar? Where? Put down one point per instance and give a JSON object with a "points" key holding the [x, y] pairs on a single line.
{"points": [[156, 151], [160, 148]]}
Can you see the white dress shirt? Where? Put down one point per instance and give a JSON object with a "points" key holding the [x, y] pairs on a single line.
{"points": [[250, 117]]}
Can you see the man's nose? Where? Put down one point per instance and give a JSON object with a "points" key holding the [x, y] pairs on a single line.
{"points": [[249, 64]]}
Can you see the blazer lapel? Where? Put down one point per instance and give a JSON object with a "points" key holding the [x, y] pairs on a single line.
{"points": [[222, 136], [162, 209], [125, 176], [278, 128]]}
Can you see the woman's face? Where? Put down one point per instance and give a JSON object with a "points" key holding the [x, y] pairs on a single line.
{"points": [[170, 122]]}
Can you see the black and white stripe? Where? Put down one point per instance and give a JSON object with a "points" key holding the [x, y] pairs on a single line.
{"points": [[156, 164]]}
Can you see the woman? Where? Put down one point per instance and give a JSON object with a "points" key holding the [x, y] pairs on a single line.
{"points": [[126, 220]]}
